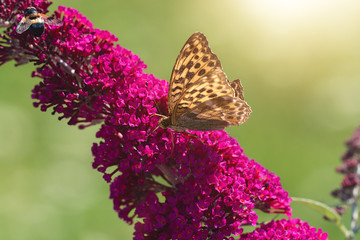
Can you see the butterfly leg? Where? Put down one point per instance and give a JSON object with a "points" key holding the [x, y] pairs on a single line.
{"points": [[172, 142], [155, 114], [153, 131], [197, 137]]}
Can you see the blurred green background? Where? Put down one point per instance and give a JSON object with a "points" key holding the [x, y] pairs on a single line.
{"points": [[299, 64]]}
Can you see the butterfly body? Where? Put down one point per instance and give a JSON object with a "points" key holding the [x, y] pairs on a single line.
{"points": [[200, 96], [196, 124], [34, 22]]}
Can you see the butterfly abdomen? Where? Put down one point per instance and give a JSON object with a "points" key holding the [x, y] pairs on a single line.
{"points": [[166, 123], [190, 121]]}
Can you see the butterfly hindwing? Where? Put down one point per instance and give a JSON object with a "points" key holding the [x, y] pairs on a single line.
{"points": [[215, 114], [238, 88]]}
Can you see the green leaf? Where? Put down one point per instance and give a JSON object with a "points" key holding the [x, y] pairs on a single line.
{"points": [[329, 213]]}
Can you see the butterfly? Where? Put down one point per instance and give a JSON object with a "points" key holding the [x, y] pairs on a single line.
{"points": [[34, 22], [200, 96]]}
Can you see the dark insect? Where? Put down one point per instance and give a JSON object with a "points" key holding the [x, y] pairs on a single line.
{"points": [[34, 22]]}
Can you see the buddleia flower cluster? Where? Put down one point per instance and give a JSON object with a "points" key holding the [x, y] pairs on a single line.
{"points": [[349, 192], [178, 185]]}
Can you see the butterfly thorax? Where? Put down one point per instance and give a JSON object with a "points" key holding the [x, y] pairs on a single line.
{"points": [[165, 123]]}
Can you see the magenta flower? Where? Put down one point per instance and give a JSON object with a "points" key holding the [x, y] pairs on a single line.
{"points": [[349, 192], [181, 187], [286, 229], [351, 161], [213, 187]]}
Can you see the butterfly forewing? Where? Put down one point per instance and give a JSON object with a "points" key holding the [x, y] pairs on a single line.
{"points": [[194, 61], [215, 114], [238, 88]]}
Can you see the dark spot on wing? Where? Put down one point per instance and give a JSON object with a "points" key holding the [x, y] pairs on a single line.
{"points": [[186, 54], [211, 64], [190, 75], [179, 81], [188, 85], [205, 59], [190, 64], [201, 72], [176, 88], [181, 69]]}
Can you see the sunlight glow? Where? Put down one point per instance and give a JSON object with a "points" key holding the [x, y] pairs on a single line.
{"points": [[291, 13], [283, 9]]}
